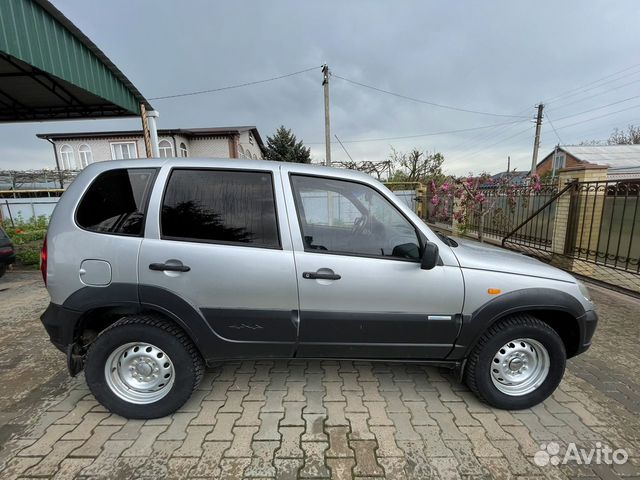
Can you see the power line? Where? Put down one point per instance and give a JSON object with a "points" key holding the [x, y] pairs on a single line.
{"points": [[426, 102], [554, 128], [579, 100], [239, 85], [599, 108], [582, 87], [473, 154], [600, 116], [430, 134]]}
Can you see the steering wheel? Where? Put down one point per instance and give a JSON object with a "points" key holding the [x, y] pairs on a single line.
{"points": [[358, 225]]}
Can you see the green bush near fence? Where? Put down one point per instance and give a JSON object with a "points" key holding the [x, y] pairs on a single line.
{"points": [[27, 236]]}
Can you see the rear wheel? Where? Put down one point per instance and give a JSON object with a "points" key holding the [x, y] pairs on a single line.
{"points": [[143, 367], [517, 363]]}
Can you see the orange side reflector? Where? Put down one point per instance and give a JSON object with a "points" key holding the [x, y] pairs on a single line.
{"points": [[494, 291]]}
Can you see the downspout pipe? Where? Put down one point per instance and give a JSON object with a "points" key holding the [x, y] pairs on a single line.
{"points": [[55, 154], [153, 132]]}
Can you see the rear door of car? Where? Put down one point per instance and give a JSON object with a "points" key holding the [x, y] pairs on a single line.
{"points": [[217, 239]]}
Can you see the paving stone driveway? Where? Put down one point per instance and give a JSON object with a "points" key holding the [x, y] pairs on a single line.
{"points": [[313, 419]]}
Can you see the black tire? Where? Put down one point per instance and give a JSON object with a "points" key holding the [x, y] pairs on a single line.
{"points": [[3, 269], [477, 373], [188, 364]]}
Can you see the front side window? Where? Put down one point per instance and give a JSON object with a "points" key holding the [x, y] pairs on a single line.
{"points": [[116, 201], [220, 206], [345, 217], [123, 150], [165, 149]]}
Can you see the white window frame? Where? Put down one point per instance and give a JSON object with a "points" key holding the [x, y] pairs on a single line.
{"points": [[86, 156], [184, 151], [114, 145], [559, 161], [67, 157], [165, 149]]}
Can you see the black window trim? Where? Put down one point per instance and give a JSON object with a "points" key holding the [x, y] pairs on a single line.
{"points": [[297, 201], [145, 202], [222, 242]]}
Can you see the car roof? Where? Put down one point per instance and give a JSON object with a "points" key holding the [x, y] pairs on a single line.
{"points": [[197, 162]]}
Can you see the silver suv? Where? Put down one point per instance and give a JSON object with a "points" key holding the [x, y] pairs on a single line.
{"points": [[158, 268]]}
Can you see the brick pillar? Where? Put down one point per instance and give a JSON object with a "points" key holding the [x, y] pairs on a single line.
{"points": [[578, 212]]}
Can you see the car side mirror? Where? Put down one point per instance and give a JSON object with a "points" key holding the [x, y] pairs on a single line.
{"points": [[429, 256]]}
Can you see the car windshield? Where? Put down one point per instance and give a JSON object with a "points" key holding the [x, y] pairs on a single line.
{"points": [[448, 240]]}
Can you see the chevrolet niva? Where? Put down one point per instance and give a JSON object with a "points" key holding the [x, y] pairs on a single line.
{"points": [[158, 268]]}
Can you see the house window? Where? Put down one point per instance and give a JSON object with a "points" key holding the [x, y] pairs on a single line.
{"points": [[68, 160], [241, 151], [124, 150], [559, 161], [165, 149], [250, 138], [183, 150], [85, 155]]}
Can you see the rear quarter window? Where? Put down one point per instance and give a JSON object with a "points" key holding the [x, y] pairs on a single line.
{"points": [[116, 202]]}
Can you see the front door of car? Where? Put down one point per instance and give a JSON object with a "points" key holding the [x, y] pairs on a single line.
{"points": [[362, 291], [215, 244]]}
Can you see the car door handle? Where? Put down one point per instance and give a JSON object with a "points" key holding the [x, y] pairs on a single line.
{"points": [[163, 267], [321, 276]]}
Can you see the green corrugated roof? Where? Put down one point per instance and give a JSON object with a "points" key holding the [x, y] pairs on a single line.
{"points": [[38, 41]]}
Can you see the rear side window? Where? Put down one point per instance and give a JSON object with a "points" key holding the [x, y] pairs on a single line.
{"points": [[220, 206], [116, 201]]}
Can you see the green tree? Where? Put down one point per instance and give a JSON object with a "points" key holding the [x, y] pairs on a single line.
{"points": [[283, 146], [416, 166]]}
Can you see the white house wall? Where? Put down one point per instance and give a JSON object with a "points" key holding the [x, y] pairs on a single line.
{"points": [[211, 147]]}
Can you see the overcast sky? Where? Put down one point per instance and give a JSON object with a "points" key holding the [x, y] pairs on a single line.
{"points": [[500, 57]]}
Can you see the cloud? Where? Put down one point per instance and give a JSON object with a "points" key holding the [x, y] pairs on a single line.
{"points": [[497, 56]]}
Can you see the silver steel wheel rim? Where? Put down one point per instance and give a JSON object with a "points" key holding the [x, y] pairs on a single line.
{"points": [[139, 373], [520, 367]]}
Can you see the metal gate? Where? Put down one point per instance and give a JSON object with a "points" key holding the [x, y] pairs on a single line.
{"points": [[595, 231]]}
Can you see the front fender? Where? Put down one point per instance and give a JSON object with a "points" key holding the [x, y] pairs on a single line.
{"points": [[525, 300]]}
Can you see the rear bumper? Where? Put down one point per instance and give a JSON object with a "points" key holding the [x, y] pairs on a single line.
{"points": [[60, 322], [588, 323]]}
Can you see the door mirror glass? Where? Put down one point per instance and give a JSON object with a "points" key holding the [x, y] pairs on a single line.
{"points": [[429, 256]]}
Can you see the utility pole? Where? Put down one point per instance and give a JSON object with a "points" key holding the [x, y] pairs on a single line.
{"points": [[536, 142], [145, 131], [327, 124], [508, 163]]}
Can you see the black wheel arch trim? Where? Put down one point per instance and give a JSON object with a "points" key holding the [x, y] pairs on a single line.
{"points": [[525, 300]]}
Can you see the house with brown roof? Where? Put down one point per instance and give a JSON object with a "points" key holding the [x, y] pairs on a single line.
{"points": [[74, 151], [623, 161]]}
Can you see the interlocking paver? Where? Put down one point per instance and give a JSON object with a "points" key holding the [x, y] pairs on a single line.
{"points": [[290, 446], [314, 465], [387, 446], [338, 443], [262, 462], [192, 445], [209, 463], [241, 443], [314, 431]]}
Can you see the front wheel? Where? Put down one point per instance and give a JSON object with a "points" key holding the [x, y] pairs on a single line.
{"points": [[517, 363], [143, 367]]}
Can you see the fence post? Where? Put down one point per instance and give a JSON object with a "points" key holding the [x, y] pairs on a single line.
{"points": [[578, 215]]}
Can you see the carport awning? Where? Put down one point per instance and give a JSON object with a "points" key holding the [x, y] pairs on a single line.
{"points": [[49, 70]]}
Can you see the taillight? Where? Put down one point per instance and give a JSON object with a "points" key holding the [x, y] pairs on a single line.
{"points": [[43, 261]]}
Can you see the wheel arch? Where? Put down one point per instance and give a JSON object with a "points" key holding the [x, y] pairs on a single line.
{"points": [[558, 309]]}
